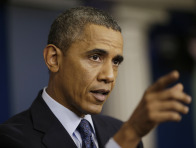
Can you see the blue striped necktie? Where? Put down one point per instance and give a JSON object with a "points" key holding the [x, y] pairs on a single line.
{"points": [[86, 133]]}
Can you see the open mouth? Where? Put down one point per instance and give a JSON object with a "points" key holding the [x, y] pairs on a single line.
{"points": [[100, 94], [101, 91]]}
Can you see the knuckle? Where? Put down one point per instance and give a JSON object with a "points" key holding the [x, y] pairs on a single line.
{"points": [[171, 93], [173, 105]]}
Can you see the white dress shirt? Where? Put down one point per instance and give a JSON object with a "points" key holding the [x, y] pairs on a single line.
{"points": [[70, 121]]}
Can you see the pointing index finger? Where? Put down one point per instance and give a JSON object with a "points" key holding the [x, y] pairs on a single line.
{"points": [[164, 81]]}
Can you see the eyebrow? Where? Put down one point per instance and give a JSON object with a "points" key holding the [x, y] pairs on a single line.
{"points": [[100, 51], [120, 58]]}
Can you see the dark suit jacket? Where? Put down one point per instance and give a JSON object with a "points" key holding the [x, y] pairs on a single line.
{"points": [[37, 127]]}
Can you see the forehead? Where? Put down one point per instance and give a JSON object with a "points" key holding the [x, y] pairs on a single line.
{"points": [[97, 35]]}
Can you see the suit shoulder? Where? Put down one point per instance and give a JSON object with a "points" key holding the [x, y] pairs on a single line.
{"points": [[11, 131], [19, 118], [15, 124]]}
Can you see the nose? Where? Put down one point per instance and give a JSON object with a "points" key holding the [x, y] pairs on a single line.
{"points": [[107, 73]]}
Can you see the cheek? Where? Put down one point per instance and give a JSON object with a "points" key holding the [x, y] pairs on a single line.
{"points": [[89, 72], [82, 80]]}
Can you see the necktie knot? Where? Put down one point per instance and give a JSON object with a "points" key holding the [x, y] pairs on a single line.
{"points": [[85, 128], [86, 134]]}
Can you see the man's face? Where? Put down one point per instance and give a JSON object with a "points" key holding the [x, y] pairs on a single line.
{"points": [[88, 70]]}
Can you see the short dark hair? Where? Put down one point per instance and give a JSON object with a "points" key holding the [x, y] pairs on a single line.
{"points": [[68, 26]]}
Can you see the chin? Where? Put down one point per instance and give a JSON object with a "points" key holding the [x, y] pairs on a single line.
{"points": [[94, 110]]}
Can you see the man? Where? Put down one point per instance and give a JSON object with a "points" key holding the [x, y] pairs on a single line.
{"points": [[84, 51]]}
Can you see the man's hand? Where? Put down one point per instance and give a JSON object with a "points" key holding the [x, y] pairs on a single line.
{"points": [[159, 104]]}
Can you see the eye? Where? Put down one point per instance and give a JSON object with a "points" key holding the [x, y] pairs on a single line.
{"points": [[116, 62], [95, 57]]}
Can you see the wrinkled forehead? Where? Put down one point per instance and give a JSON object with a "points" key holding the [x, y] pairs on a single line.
{"points": [[100, 33], [96, 38]]}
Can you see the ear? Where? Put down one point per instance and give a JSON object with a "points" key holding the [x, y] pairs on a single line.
{"points": [[52, 57]]}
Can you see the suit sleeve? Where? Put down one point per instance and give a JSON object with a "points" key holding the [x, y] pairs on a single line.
{"points": [[11, 137]]}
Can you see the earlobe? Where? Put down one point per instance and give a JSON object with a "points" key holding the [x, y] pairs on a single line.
{"points": [[51, 57]]}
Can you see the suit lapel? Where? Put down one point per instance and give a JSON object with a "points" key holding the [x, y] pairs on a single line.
{"points": [[44, 121], [101, 131], [58, 137]]}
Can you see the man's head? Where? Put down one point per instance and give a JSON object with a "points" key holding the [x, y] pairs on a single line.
{"points": [[69, 26], [83, 73]]}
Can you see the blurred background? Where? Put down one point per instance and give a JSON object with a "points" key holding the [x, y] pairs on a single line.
{"points": [[159, 36]]}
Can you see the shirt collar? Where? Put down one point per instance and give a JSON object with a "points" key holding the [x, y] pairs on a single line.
{"points": [[68, 119]]}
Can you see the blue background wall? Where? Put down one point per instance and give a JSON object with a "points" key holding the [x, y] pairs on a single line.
{"points": [[23, 36], [169, 49], [4, 97], [28, 30]]}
